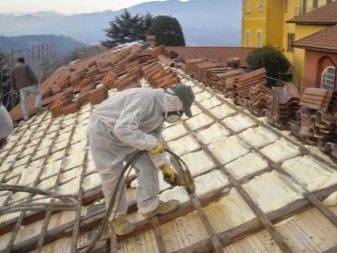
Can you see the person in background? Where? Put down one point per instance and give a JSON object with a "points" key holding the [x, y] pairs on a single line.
{"points": [[24, 79], [6, 125]]}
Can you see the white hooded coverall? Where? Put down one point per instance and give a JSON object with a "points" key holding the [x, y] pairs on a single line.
{"points": [[122, 125], [6, 124]]}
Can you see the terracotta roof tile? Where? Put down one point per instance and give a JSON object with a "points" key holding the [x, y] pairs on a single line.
{"points": [[213, 54], [325, 40], [326, 15]]}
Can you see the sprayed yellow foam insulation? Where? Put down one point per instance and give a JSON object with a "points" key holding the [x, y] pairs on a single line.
{"points": [[214, 132], [222, 111], [210, 103], [203, 95], [281, 150], [178, 193], [184, 145], [195, 110], [308, 231], [228, 149], [230, 211], [313, 174], [210, 181], [279, 193], [183, 232], [142, 243], [247, 165], [260, 242], [174, 132], [331, 201], [196, 89], [198, 162], [238, 123], [91, 181], [258, 137], [199, 121]]}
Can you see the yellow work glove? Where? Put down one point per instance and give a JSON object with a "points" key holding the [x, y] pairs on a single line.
{"points": [[158, 149], [170, 176], [174, 179]]}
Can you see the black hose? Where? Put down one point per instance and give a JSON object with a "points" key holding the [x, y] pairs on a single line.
{"points": [[182, 170]]}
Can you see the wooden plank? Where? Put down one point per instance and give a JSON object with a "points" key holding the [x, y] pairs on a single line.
{"points": [[91, 221], [20, 218], [158, 235]]}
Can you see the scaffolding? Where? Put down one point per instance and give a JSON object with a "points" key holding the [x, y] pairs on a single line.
{"points": [[41, 58]]}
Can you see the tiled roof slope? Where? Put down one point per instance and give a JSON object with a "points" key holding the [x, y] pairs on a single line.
{"points": [[325, 15], [213, 54], [325, 40], [256, 187]]}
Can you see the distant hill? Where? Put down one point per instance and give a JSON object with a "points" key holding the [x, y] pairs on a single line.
{"points": [[63, 45], [205, 22]]}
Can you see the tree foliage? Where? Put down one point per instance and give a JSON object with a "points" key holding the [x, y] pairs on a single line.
{"points": [[127, 28], [167, 30], [269, 57]]}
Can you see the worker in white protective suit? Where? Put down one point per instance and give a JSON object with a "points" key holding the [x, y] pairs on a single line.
{"points": [[126, 123], [6, 124]]}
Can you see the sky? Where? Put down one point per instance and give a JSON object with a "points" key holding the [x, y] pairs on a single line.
{"points": [[65, 6]]}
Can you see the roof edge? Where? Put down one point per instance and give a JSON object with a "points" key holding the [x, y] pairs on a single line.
{"points": [[312, 48]]}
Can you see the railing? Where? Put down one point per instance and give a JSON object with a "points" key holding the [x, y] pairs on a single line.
{"points": [[40, 57]]}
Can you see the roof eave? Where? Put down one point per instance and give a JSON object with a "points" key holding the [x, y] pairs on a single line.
{"points": [[315, 48], [303, 22]]}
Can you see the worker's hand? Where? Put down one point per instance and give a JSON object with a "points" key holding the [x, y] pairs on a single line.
{"points": [[158, 149], [170, 175]]}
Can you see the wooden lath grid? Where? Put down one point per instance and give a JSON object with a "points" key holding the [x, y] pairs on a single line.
{"points": [[225, 238]]}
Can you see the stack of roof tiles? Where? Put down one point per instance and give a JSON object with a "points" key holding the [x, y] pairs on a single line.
{"points": [[190, 65], [98, 95], [239, 86], [259, 99], [160, 77], [218, 81], [319, 118], [285, 105], [200, 71]]}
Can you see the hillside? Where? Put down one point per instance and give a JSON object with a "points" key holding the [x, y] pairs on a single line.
{"points": [[211, 22], [63, 45]]}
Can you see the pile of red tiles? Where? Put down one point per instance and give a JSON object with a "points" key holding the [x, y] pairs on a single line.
{"points": [[98, 95], [319, 119], [285, 106], [259, 99], [190, 65], [200, 70], [160, 77]]}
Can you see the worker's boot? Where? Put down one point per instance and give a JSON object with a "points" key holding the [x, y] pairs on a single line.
{"points": [[163, 208], [121, 225]]}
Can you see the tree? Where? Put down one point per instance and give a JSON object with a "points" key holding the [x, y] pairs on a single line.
{"points": [[167, 30], [270, 58], [127, 28]]}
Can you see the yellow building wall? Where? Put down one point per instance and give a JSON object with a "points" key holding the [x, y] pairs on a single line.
{"points": [[274, 12], [254, 20], [298, 57]]}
